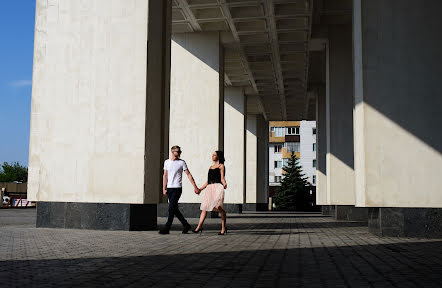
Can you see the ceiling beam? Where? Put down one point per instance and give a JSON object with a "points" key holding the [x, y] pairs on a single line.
{"points": [[235, 35], [275, 53], [189, 15]]}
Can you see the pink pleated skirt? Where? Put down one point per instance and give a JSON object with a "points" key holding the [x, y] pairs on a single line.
{"points": [[213, 197]]}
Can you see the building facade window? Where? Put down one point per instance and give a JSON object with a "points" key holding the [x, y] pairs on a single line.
{"points": [[292, 147], [314, 179], [278, 131], [278, 164], [314, 131], [293, 131], [278, 148], [314, 163], [277, 179], [314, 147], [285, 162]]}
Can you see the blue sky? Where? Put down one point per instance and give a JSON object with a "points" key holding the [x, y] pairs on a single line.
{"points": [[16, 54]]}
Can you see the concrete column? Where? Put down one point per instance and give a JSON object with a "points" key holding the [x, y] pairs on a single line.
{"points": [[339, 119], [321, 150], [234, 147], [256, 164], [398, 153], [196, 107], [96, 131]]}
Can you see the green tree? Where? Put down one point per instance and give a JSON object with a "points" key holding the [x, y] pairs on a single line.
{"points": [[294, 187], [14, 172]]}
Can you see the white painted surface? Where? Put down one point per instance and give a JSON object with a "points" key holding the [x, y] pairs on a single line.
{"points": [[194, 104], [274, 156], [393, 176], [234, 136], [398, 158], [88, 101], [307, 138]]}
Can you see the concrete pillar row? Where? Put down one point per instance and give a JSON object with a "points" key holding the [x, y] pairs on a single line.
{"points": [[398, 153], [204, 117]]}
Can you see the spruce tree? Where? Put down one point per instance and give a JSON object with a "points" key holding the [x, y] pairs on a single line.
{"points": [[294, 187]]}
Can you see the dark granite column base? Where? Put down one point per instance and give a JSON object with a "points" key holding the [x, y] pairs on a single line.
{"points": [[406, 222], [350, 213], [192, 210], [328, 210], [96, 216], [252, 207]]}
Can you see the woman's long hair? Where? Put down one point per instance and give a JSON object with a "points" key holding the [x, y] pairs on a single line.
{"points": [[220, 155], [221, 159]]}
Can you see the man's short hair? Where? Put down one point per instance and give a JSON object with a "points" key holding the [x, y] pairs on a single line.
{"points": [[176, 147]]}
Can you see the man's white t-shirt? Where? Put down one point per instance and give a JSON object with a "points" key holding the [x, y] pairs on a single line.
{"points": [[175, 170]]}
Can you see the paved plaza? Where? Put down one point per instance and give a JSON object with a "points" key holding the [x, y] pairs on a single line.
{"points": [[260, 250]]}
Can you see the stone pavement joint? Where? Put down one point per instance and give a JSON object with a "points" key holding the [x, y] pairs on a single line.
{"points": [[260, 250]]}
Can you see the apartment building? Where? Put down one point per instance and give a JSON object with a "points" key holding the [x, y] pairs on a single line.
{"points": [[285, 138]]}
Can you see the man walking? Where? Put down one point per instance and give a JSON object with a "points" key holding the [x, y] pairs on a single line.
{"points": [[172, 187]]}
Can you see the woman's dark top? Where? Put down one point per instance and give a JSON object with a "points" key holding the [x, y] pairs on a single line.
{"points": [[214, 176]]}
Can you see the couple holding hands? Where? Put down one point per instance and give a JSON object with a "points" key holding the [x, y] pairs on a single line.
{"points": [[213, 198]]}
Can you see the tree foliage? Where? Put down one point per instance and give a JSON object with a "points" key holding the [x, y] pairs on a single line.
{"points": [[294, 187], [14, 172]]}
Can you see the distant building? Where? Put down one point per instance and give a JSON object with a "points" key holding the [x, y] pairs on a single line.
{"points": [[285, 138]]}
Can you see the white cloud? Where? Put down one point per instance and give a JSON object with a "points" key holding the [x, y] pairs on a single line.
{"points": [[21, 83]]}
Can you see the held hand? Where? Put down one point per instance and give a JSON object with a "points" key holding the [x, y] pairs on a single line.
{"points": [[196, 190], [225, 186]]}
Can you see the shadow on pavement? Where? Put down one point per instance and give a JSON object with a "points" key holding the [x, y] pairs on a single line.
{"points": [[393, 265]]}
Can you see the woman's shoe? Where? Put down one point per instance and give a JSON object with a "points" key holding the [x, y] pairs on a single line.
{"points": [[225, 232], [197, 231]]}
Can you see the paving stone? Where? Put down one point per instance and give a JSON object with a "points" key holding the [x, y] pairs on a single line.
{"points": [[260, 250]]}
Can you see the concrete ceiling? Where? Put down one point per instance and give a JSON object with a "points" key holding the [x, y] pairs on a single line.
{"points": [[266, 46]]}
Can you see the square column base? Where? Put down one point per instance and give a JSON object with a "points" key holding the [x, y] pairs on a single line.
{"points": [[350, 213], [328, 210], [252, 207], [406, 222], [97, 216]]}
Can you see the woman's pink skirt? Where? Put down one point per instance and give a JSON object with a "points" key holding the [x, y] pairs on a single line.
{"points": [[213, 197]]}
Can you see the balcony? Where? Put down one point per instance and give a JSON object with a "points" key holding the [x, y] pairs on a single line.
{"points": [[275, 139], [287, 155]]}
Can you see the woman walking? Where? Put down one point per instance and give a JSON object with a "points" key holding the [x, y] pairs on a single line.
{"points": [[213, 199]]}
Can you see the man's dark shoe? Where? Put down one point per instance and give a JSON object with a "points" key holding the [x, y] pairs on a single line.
{"points": [[164, 230], [187, 228]]}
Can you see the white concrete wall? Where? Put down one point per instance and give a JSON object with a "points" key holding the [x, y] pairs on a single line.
{"points": [[88, 109], [339, 118], [194, 104], [306, 149], [398, 144], [234, 141], [272, 158]]}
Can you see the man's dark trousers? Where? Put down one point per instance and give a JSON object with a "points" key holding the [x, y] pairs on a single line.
{"points": [[174, 195]]}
